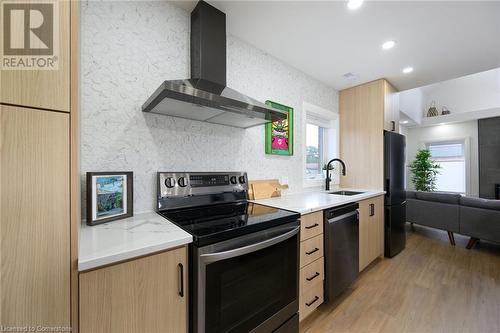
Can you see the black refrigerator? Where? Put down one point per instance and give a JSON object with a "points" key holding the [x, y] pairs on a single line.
{"points": [[395, 196]]}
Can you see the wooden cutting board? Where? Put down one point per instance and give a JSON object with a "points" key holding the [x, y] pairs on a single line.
{"points": [[265, 188]]}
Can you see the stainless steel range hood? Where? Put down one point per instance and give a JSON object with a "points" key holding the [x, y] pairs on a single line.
{"points": [[205, 97]]}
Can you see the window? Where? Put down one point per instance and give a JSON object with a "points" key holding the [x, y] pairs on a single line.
{"points": [[452, 159], [320, 143], [314, 151]]}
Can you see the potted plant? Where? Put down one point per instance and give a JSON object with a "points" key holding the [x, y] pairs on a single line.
{"points": [[424, 171], [331, 168]]}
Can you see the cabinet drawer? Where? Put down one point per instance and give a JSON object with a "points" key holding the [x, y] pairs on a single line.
{"points": [[310, 299], [311, 225], [311, 250], [311, 274]]}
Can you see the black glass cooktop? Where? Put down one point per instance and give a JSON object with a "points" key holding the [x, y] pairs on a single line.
{"points": [[214, 223]]}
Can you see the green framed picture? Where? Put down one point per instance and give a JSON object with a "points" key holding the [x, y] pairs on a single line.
{"points": [[279, 134]]}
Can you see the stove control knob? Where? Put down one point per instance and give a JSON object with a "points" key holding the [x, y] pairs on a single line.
{"points": [[242, 179], [169, 182], [182, 182], [233, 180]]}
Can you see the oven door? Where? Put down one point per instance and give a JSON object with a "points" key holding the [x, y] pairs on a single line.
{"points": [[247, 284]]}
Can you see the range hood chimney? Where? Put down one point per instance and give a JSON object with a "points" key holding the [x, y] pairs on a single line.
{"points": [[205, 97]]}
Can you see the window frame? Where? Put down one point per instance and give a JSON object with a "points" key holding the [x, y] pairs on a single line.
{"points": [[326, 119], [467, 161]]}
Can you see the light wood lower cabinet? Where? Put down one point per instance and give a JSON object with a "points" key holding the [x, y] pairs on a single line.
{"points": [[312, 263], [137, 296], [34, 218], [371, 230]]}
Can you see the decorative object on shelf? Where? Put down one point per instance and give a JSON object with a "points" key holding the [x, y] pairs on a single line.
{"points": [[433, 111], [424, 171], [279, 134], [109, 196], [445, 111]]}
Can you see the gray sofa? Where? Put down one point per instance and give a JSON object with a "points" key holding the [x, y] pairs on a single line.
{"points": [[474, 217]]}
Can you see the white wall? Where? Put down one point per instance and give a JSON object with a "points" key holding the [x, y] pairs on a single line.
{"points": [[416, 137], [403, 130], [128, 49], [410, 103], [468, 94]]}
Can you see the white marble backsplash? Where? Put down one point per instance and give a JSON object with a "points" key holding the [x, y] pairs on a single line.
{"points": [[128, 49]]}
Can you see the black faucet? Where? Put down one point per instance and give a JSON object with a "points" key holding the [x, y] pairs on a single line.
{"points": [[327, 185]]}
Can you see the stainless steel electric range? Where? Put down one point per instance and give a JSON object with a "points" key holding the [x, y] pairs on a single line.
{"points": [[244, 260]]}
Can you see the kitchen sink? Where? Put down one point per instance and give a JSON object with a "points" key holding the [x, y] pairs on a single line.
{"points": [[346, 193]]}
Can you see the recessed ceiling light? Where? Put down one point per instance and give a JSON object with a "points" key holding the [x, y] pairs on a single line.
{"points": [[354, 4], [404, 122], [407, 70], [388, 45]]}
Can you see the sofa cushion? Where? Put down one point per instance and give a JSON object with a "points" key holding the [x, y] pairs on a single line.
{"points": [[480, 203], [448, 198], [410, 194], [480, 223], [433, 214]]}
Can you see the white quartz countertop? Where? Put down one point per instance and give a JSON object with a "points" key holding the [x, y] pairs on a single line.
{"points": [[115, 241], [308, 202]]}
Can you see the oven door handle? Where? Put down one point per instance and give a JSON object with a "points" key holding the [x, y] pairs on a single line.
{"points": [[212, 257]]}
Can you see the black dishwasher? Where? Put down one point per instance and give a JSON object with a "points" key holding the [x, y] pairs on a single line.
{"points": [[341, 237]]}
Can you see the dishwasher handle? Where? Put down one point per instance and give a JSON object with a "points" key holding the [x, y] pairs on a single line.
{"points": [[341, 210], [341, 217]]}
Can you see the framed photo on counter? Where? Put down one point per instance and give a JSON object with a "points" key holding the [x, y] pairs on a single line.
{"points": [[109, 196]]}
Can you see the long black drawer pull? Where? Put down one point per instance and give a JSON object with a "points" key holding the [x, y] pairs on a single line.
{"points": [[313, 301], [372, 209], [312, 277], [312, 251], [181, 280], [312, 226]]}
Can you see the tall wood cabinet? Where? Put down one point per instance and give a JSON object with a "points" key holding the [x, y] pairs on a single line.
{"points": [[371, 230], [365, 111], [35, 214], [39, 187], [44, 89], [148, 294]]}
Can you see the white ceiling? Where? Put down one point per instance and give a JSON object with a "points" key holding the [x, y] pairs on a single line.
{"points": [[441, 40]]}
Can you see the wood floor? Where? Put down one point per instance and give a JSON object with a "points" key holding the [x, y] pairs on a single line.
{"points": [[430, 287]]}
